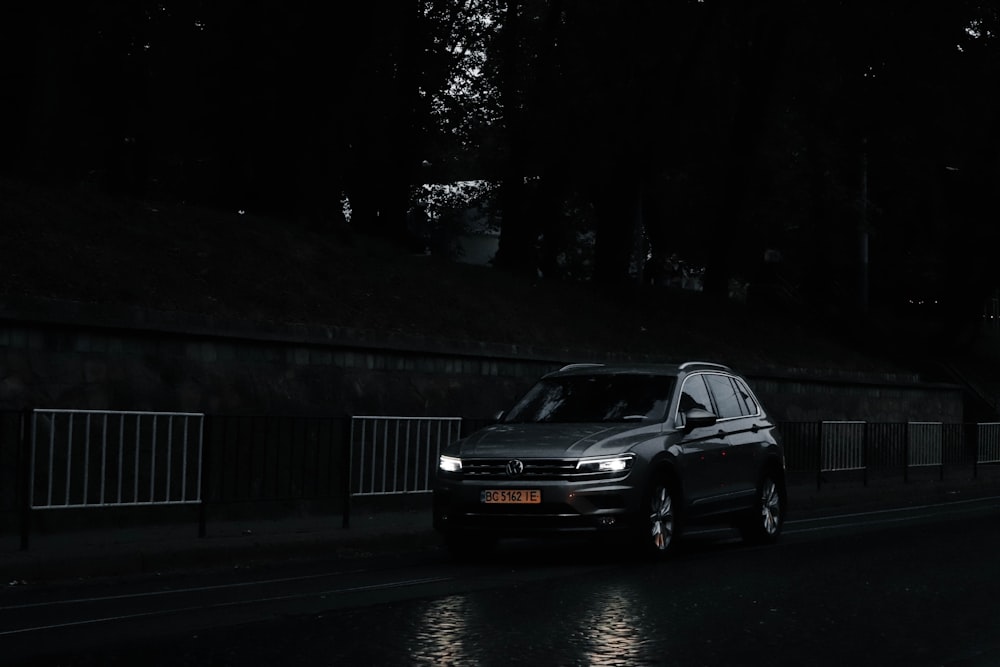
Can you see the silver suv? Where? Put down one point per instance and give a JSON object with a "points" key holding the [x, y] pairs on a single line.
{"points": [[636, 449]]}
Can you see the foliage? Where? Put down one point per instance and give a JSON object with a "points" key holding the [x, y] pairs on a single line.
{"points": [[826, 134], [447, 212]]}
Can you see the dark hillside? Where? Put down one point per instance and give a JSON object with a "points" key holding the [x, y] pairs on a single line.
{"points": [[84, 247]]}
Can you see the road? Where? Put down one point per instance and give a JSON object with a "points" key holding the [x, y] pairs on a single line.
{"points": [[907, 587]]}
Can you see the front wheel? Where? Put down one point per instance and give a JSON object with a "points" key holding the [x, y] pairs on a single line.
{"points": [[763, 525], [660, 529]]}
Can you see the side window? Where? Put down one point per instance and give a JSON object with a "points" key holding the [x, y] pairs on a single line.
{"points": [[694, 394], [730, 404], [751, 405]]}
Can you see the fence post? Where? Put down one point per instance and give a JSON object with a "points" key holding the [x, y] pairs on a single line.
{"points": [[906, 455], [864, 455], [819, 457], [347, 468], [205, 486], [24, 473], [975, 455]]}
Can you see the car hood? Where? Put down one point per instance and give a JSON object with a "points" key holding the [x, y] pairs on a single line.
{"points": [[553, 440]]}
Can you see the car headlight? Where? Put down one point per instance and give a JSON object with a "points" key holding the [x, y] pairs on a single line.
{"points": [[449, 464], [619, 463]]}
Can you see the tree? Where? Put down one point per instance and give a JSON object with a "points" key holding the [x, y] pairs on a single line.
{"points": [[713, 130]]}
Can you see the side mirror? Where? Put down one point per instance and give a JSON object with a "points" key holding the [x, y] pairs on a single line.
{"points": [[697, 418], [498, 417]]}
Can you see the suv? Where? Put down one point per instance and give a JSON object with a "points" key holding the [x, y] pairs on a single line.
{"points": [[636, 449]]}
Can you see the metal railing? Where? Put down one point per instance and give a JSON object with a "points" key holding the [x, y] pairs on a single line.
{"points": [[842, 445], [81, 458], [261, 458], [988, 437], [398, 455], [858, 446], [99, 458], [924, 444], [51, 459]]}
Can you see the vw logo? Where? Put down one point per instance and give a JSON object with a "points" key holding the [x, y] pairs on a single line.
{"points": [[515, 467]]}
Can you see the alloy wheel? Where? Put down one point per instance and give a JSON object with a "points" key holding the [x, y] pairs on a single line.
{"points": [[770, 507], [661, 518]]}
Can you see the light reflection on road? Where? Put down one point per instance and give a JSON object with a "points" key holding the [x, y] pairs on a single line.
{"points": [[607, 623], [611, 629], [442, 632], [717, 602]]}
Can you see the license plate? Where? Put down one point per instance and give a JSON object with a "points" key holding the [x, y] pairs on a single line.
{"points": [[511, 496]]}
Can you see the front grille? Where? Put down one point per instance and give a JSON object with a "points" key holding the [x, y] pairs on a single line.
{"points": [[534, 469]]}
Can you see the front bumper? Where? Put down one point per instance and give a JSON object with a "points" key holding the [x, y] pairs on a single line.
{"points": [[564, 509]]}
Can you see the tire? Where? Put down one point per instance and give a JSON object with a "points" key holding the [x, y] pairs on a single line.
{"points": [[659, 528], [764, 523]]}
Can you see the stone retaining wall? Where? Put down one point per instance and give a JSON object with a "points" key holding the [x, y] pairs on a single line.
{"points": [[86, 356]]}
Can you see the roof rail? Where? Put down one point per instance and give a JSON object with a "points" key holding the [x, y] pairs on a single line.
{"points": [[688, 364], [568, 367]]}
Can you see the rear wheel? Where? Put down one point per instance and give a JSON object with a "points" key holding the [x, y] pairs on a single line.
{"points": [[763, 525]]}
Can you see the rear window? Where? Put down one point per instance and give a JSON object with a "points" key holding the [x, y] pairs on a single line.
{"points": [[594, 398]]}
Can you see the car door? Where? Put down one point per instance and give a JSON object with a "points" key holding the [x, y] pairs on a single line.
{"points": [[733, 405], [702, 448]]}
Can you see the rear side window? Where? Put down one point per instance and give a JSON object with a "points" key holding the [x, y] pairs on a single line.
{"points": [[728, 401], [747, 396]]}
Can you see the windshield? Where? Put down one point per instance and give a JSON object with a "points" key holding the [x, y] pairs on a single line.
{"points": [[595, 398]]}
